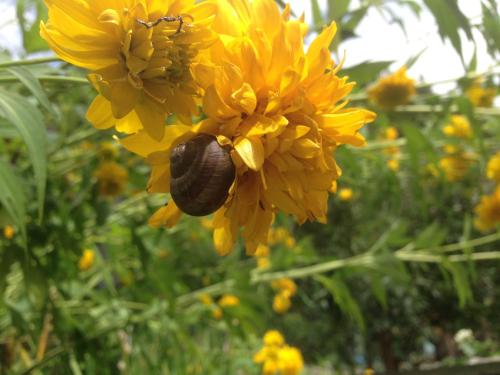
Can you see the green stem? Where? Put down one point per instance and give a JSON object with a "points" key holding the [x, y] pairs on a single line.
{"points": [[462, 245], [49, 79], [424, 108], [42, 60]]}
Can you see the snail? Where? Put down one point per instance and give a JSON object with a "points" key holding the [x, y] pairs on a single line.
{"points": [[202, 172]]}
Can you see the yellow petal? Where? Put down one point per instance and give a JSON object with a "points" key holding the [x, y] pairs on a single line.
{"points": [[251, 151], [152, 117], [167, 216], [123, 98], [99, 113], [142, 144]]}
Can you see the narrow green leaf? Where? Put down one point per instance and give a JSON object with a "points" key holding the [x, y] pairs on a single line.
{"points": [[366, 72], [460, 281], [491, 26], [30, 31], [12, 196], [433, 235], [337, 8], [29, 122], [412, 60], [317, 16], [31, 82], [343, 298]]}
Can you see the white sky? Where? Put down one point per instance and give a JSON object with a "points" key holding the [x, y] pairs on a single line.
{"points": [[378, 40]]}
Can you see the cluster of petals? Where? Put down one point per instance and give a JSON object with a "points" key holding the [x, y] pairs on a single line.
{"points": [[142, 73], [280, 109], [393, 90]]}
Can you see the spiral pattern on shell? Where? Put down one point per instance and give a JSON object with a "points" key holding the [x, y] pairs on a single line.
{"points": [[202, 173]]}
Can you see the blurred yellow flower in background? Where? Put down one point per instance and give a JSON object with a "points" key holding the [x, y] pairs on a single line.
{"points": [[286, 290], [217, 313], [229, 300], [282, 112], [451, 149], [488, 211], [112, 178], [86, 260], [206, 299], [345, 194], [393, 165], [459, 127], [139, 65], [481, 97], [493, 168], [8, 232], [277, 358], [393, 90], [391, 133], [456, 166], [108, 151]]}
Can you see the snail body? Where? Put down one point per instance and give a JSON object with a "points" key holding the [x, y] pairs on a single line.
{"points": [[202, 173]]}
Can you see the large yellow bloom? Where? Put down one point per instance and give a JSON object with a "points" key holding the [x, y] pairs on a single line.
{"points": [[282, 112], [393, 90], [139, 65]]}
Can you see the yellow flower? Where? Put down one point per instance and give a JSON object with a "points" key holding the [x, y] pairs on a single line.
{"points": [[262, 251], [456, 166], [290, 361], [206, 299], [391, 133], [280, 110], [8, 232], [111, 178], [229, 300], [285, 284], [282, 302], [139, 63], [458, 127], [488, 211], [273, 338], [393, 165], [451, 149], [263, 262], [345, 194], [108, 151], [368, 371], [493, 168], [87, 260], [481, 97], [393, 90], [217, 313]]}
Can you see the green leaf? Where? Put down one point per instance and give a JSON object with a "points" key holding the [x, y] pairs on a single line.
{"points": [[460, 281], [337, 8], [450, 20], [412, 60], [32, 41], [343, 298], [365, 72], [29, 122], [31, 82], [12, 197], [317, 16], [432, 235], [491, 26]]}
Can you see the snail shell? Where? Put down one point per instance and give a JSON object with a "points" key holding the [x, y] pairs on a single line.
{"points": [[202, 172]]}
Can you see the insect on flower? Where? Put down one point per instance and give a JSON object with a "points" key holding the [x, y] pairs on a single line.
{"points": [[180, 19]]}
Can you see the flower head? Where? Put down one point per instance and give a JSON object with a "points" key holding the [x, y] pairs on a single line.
{"points": [[488, 211], [493, 168], [458, 127], [279, 109], [481, 97], [111, 178], [8, 232], [456, 166], [393, 164], [139, 54], [229, 300], [393, 90], [346, 194], [277, 357], [87, 260]]}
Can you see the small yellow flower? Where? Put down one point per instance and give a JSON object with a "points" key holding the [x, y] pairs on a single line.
{"points": [[285, 284], [290, 361], [345, 194], [206, 299], [393, 165], [8, 232], [481, 97], [493, 168], [262, 251], [393, 90], [488, 211], [273, 338], [455, 167], [290, 242], [108, 150], [391, 133], [282, 302], [451, 149], [368, 371], [111, 178], [87, 260], [229, 300], [263, 263], [459, 127], [217, 313]]}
